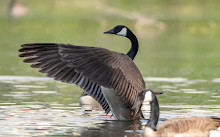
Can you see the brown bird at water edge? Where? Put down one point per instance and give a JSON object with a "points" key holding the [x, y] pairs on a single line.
{"points": [[176, 127]]}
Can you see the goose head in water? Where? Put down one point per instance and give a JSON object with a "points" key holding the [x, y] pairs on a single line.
{"points": [[176, 127]]}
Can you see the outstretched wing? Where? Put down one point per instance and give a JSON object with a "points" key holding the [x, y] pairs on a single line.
{"points": [[88, 67]]}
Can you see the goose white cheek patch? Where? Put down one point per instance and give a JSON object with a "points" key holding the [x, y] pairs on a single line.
{"points": [[123, 32], [148, 97], [146, 104]]}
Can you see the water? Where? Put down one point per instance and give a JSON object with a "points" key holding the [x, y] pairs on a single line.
{"points": [[29, 107], [178, 55]]}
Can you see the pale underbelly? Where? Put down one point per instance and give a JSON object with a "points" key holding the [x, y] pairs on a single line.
{"points": [[118, 107]]}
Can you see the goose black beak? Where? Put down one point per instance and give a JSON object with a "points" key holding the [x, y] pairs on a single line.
{"points": [[109, 32], [137, 103]]}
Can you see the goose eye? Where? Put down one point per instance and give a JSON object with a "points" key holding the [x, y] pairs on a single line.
{"points": [[118, 29]]}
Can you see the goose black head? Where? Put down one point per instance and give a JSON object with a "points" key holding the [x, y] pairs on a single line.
{"points": [[120, 30], [147, 95]]}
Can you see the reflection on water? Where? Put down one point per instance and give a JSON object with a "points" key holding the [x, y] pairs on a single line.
{"points": [[37, 106]]}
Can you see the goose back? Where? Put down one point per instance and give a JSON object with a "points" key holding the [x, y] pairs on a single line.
{"points": [[188, 126]]}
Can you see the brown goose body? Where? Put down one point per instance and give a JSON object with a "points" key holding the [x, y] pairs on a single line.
{"points": [[105, 75], [185, 127], [176, 127]]}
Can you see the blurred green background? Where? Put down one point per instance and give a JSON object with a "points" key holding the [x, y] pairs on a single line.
{"points": [[178, 38]]}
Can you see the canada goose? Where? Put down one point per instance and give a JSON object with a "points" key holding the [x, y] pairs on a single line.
{"points": [[109, 77], [176, 127]]}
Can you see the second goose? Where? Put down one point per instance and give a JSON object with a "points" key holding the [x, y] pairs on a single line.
{"points": [[176, 127]]}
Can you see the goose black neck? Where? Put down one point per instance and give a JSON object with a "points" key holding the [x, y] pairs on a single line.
{"points": [[134, 44], [154, 113]]}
